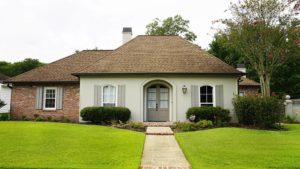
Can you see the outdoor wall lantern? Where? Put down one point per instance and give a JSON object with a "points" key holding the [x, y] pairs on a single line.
{"points": [[184, 89]]}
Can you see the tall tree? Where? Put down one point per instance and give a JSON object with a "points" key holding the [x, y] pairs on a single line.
{"points": [[263, 31], [171, 26], [13, 69]]}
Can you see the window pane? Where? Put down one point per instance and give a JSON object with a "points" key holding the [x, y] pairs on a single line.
{"points": [[165, 90], [109, 104], [152, 104], [151, 96], [152, 90], [203, 90], [109, 96], [209, 98], [203, 98], [164, 96], [164, 104], [210, 105], [209, 90], [50, 103]]}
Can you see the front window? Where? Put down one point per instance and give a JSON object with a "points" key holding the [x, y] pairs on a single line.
{"points": [[206, 96], [109, 96], [50, 98]]}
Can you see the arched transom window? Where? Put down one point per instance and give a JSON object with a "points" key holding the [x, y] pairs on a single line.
{"points": [[109, 96], [206, 96]]}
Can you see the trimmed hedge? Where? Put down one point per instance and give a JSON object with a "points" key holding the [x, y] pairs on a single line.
{"points": [[4, 117], [105, 114], [214, 114], [263, 112]]}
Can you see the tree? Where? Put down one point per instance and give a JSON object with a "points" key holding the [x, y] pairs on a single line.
{"points": [[171, 26], [263, 31], [13, 69]]}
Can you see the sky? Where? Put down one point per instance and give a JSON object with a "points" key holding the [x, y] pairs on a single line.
{"points": [[49, 30]]}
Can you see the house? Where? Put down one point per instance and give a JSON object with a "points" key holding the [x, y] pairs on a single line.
{"points": [[157, 77], [5, 94], [247, 86]]}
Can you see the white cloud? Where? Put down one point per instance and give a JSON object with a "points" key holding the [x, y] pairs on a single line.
{"points": [[51, 29]]}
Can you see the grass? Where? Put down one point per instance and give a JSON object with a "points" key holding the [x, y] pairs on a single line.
{"points": [[242, 148], [59, 145]]}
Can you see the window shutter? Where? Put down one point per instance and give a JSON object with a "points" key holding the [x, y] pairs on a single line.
{"points": [[195, 96], [97, 95], [39, 98], [121, 95], [219, 96], [59, 98]]}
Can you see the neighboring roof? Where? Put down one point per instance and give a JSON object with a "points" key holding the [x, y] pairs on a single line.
{"points": [[3, 77], [61, 70], [248, 82], [159, 54]]}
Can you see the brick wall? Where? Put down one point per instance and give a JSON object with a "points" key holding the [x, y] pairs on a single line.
{"points": [[249, 90], [23, 103]]}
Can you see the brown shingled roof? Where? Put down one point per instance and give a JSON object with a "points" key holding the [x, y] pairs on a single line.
{"points": [[248, 82], [159, 54], [61, 70]]}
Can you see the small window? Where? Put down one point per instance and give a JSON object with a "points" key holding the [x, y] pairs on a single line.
{"points": [[109, 96], [50, 98], [241, 93], [206, 96]]}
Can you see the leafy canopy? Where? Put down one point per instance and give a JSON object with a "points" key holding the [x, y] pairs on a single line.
{"points": [[171, 26]]}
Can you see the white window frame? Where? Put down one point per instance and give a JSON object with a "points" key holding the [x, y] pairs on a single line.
{"points": [[213, 92], [116, 95], [44, 98]]}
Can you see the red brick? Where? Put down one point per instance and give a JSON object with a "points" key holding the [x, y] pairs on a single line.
{"points": [[23, 103]]}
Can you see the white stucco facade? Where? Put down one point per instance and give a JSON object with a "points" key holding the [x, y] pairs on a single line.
{"points": [[5, 95], [178, 102]]}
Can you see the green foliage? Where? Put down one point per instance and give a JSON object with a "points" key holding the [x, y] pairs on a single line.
{"points": [[132, 125], [289, 119], [214, 114], [190, 126], [105, 114], [4, 117], [13, 69], [263, 112], [264, 32], [171, 26]]}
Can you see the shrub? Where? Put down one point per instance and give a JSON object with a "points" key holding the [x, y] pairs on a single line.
{"points": [[136, 126], [4, 117], [214, 114], [190, 126], [39, 118], [105, 114], [263, 112], [290, 119]]}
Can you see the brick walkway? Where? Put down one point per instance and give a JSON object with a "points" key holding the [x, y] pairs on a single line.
{"points": [[161, 150]]}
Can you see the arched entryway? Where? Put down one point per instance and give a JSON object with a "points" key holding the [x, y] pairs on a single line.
{"points": [[157, 101]]}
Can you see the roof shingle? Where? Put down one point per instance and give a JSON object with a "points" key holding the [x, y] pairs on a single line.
{"points": [[61, 70], [159, 54]]}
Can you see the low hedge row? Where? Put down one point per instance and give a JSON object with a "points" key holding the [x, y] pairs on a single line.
{"points": [[263, 112], [214, 114], [105, 114]]}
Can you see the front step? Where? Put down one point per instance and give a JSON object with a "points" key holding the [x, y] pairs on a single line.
{"points": [[158, 124], [159, 131]]}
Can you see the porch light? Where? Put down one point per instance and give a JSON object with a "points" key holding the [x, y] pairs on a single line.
{"points": [[184, 89]]}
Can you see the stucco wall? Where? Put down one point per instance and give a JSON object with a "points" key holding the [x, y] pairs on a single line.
{"points": [[179, 102]]}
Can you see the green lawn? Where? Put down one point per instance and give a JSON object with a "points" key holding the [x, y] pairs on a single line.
{"points": [[58, 145], [242, 148]]}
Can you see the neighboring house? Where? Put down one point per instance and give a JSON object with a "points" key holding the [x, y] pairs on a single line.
{"points": [[247, 86], [5, 94], [157, 77]]}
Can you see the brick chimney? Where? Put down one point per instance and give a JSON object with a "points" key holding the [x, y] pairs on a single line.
{"points": [[127, 34]]}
